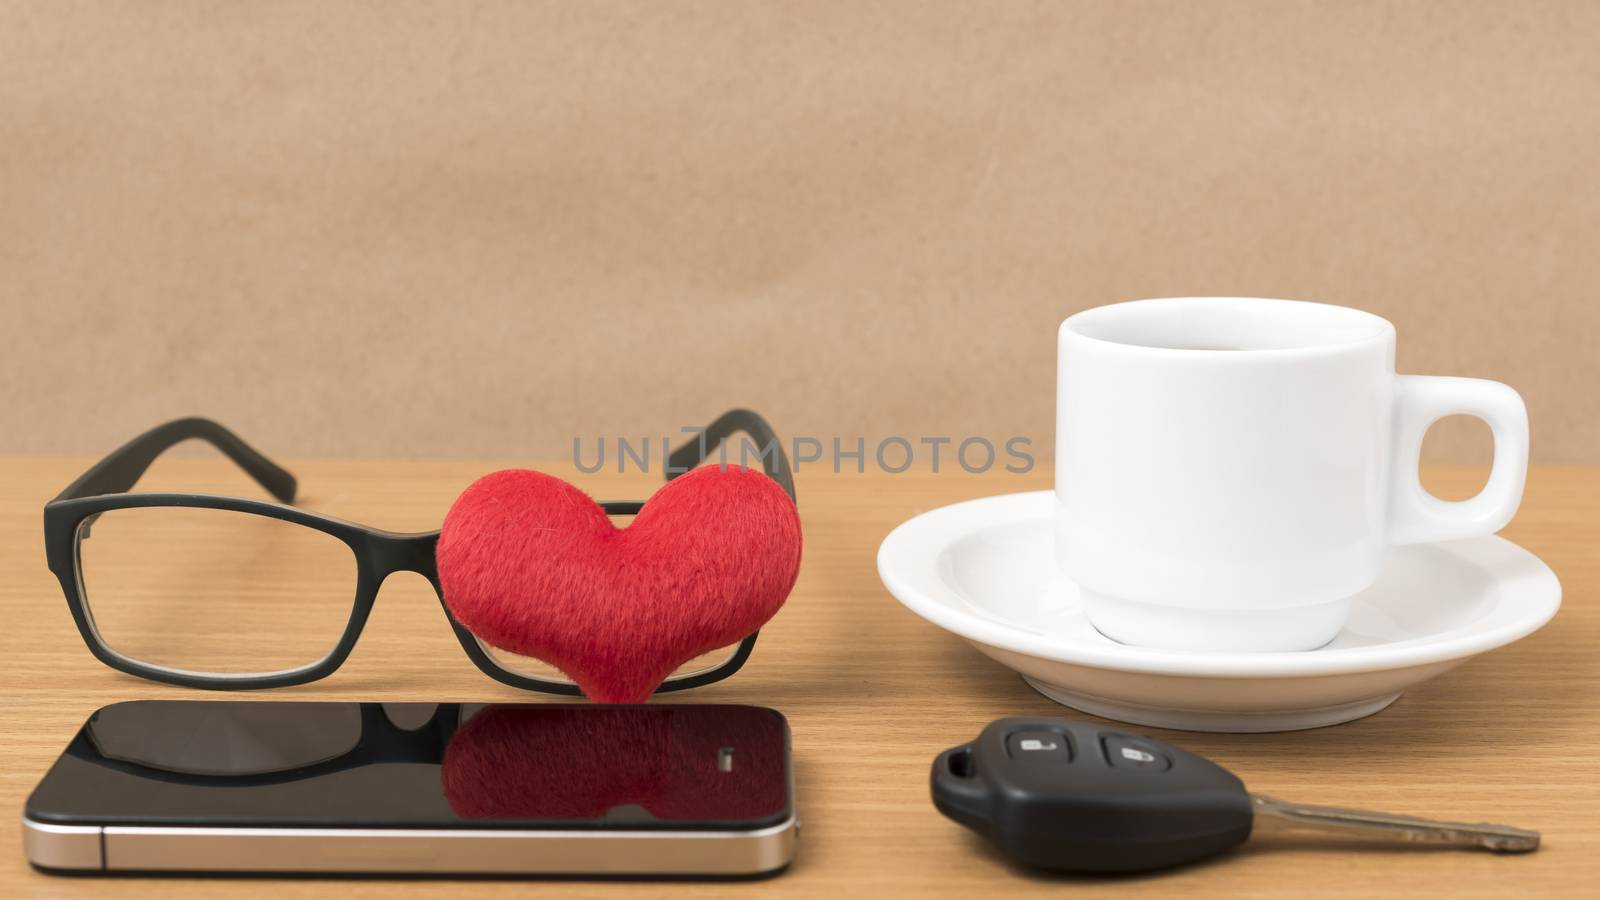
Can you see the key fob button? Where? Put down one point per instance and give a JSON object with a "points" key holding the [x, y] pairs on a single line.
{"points": [[1129, 753], [1039, 746]]}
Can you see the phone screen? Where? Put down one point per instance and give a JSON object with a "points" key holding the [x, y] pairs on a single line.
{"points": [[416, 765]]}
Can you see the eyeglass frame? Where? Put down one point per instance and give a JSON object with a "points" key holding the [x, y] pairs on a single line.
{"points": [[107, 485]]}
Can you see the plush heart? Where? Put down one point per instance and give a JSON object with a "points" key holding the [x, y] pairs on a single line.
{"points": [[532, 565]]}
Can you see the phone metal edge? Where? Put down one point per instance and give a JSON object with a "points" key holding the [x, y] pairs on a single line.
{"points": [[120, 848], [72, 848]]}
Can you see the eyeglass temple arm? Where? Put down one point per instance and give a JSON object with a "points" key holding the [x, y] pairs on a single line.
{"points": [[120, 470], [773, 460]]}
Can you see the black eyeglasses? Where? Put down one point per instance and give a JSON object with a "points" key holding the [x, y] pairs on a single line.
{"points": [[171, 586]]}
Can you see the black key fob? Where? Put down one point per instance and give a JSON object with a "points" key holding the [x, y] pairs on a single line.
{"points": [[1076, 797]]}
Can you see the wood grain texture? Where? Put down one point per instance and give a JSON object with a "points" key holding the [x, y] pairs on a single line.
{"points": [[872, 693]]}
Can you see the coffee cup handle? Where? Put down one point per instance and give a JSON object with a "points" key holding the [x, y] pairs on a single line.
{"points": [[1416, 516]]}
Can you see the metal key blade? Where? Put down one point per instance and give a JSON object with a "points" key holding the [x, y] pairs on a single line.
{"points": [[1499, 838]]}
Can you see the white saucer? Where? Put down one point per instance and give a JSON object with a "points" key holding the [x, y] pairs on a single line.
{"points": [[985, 570]]}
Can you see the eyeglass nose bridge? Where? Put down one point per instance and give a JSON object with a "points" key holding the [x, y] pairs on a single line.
{"points": [[390, 553]]}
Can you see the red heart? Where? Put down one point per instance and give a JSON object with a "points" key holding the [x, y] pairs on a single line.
{"points": [[532, 565]]}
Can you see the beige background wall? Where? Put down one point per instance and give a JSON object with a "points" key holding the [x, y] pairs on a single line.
{"points": [[481, 229]]}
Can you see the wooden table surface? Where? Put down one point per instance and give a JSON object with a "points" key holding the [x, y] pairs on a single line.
{"points": [[872, 693]]}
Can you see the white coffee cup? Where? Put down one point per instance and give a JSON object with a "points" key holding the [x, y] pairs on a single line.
{"points": [[1229, 470]]}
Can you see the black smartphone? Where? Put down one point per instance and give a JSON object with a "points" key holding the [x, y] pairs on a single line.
{"points": [[420, 788]]}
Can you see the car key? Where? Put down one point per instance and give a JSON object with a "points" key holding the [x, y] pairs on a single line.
{"points": [[1076, 797]]}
